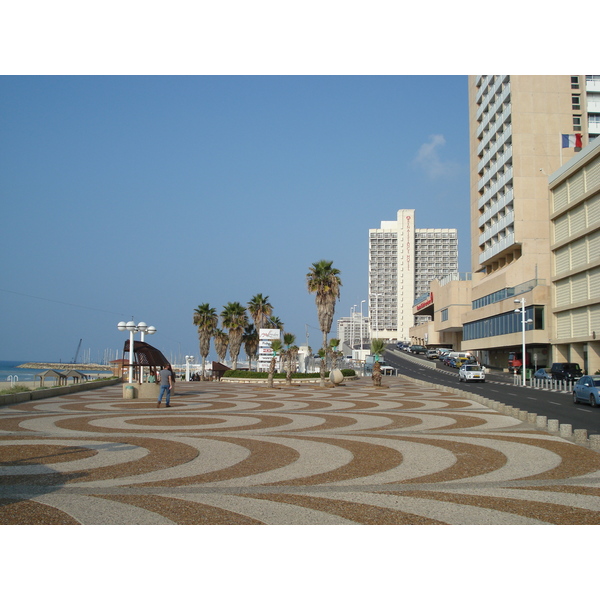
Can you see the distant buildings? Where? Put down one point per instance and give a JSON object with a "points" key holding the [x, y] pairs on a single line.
{"points": [[403, 260]]}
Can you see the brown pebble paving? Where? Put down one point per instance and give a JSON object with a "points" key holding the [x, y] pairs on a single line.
{"points": [[314, 453]]}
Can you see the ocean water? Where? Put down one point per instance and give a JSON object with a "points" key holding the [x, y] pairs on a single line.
{"points": [[9, 368]]}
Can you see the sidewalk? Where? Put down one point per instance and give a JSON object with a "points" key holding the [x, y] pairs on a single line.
{"points": [[246, 454]]}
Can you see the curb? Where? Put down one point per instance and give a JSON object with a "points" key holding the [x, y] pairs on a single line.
{"points": [[562, 430], [37, 394]]}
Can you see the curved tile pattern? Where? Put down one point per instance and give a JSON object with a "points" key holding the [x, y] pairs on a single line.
{"points": [[244, 454]]}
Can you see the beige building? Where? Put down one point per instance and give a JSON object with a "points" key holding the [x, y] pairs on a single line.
{"points": [[575, 231], [516, 128]]}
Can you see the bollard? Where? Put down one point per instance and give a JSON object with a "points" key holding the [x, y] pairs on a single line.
{"points": [[541, 421], [553, 425], [595, 442], [523, 415], [515, 412], [566, 430], [580, 436], [531, 417], [129, 392]]}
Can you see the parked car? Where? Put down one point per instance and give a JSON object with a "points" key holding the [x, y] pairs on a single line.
{"points": [[564, 370], [587, 389], [459, 361], [431, 354], [416, 349], [451, 362], [542, 374], [471, 373]]}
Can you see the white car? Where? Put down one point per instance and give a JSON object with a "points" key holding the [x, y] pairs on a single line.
{"points": [[471, 373]]}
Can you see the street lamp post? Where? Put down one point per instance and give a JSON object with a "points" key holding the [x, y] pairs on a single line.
{"points": [[188, 360], [361, 324], [523, 323], [133, 328]]}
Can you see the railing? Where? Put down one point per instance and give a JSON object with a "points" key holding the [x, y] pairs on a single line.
{"points": [[559, 385]]}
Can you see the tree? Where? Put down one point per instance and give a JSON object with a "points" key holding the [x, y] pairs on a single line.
{"points": [[260, 310], [276, 323], [221, 344], [377, 348], [250, 340], [333, 351], [206, 319], [288, 340], [324, 281], [276, 346], [235, 320]]}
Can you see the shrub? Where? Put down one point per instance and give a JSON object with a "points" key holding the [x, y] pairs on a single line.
{"points": [[17, 389], [257, 375]]}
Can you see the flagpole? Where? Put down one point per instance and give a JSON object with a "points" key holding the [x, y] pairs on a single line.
{"points": [[560, 146]]}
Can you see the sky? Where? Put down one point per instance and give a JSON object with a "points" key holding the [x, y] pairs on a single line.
{"points": [[144, 196], [208, 152]]}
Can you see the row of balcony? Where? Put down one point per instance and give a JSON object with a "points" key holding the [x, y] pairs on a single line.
{"points": [[493, 109], [503, 125], [500, 163], [496, 248], [503, 201], [501, 145], [500, 183], [497, 227], [491, 92]]}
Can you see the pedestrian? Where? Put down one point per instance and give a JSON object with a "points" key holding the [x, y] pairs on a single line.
{"points": [[166, 384]]}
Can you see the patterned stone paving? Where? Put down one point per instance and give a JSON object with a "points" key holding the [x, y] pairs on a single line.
{"points": [[244, 454]]}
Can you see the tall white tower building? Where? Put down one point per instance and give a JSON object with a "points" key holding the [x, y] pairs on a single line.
{"points": [[402, 262]]}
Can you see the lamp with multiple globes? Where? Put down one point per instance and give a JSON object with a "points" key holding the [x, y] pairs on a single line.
{"points": [[133, 328]]}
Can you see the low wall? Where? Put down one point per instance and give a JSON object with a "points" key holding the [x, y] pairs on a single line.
{"points": [[40, 394]]}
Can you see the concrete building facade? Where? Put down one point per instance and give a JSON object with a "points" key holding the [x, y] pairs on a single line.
{"points": [[403, 261], [575, 238]]}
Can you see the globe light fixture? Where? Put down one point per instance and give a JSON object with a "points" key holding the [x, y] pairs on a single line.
{"points": [[133, 328]]}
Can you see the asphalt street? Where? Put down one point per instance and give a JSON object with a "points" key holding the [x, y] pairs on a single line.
{"points": [[500, 387]]}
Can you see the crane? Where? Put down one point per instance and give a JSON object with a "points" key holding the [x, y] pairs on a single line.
{"points": [[77, 351]]}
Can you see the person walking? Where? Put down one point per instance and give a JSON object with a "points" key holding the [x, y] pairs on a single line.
{"points": [[166, 384]]}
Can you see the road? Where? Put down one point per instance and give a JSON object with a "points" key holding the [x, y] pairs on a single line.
{"points": [[499, 387]]}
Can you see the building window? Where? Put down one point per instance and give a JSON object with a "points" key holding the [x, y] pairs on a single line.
{"points": [[445, 314], [576, 101], [574, 83], [576, 122], [503, 324]]}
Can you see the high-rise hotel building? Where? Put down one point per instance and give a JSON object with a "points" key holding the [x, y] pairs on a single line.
{"points": [[403, 261], [516, 127]]}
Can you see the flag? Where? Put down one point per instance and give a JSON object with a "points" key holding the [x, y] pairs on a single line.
{"points": [[571, 141]]}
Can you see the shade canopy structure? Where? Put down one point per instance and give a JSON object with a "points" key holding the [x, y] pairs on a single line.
{"points": [[61, 378], [75, 375], [144, 355]]}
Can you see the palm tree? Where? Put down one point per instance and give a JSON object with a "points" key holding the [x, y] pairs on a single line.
{"points": [[260, 310], [276, 323], [323, 355], [333, 350], [324, 280], [377, 348], [276, 346], [221, 344], [206, 319], [250, 341], [235, 320], [288, 340]]}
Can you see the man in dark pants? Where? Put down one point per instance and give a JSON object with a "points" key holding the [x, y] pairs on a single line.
{"points": [[166, 383]]}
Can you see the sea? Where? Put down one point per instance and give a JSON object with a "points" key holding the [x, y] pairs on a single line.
{"points": [[9, 368]]}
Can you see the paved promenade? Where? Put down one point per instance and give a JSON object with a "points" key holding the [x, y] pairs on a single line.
{"points": [[240, 454]]}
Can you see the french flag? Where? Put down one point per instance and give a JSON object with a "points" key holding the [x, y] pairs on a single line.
{"points": [[571, 141]]}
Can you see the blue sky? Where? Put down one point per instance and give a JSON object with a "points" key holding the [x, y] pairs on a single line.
{"points": [[297, 128], [146, 196]]}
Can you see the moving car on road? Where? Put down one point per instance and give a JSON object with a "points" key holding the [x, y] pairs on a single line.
{"points": [[471, 373], [587, 389]]}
